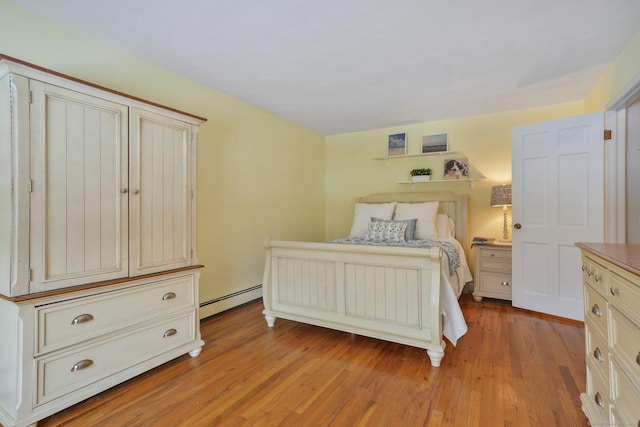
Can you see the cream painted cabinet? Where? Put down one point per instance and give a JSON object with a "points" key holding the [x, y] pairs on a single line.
{"points": [[160, 193], [79, 171], [611, 277], [99, 279]]}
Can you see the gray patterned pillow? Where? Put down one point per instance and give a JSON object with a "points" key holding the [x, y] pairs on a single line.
{"points": [[411, 226], [387, 231]]}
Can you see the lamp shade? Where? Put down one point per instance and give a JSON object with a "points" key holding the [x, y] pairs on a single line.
{"points": [[501, 195]]}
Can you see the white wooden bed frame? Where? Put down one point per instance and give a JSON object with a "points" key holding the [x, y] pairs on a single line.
{"points": [[390, 293]]}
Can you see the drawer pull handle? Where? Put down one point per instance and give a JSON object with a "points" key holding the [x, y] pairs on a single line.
{"points": [[168, 295], [589, 273], [598, 355], [583, 268], [597, 277], [505, 283], [615, 291], [638, 361], [82, 318], [596, 310], [83, 364], [599, 400], [169, 332]]}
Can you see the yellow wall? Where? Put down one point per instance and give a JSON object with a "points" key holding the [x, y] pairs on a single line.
{"points": [[484, 140], [619, 78], [259, 176]]}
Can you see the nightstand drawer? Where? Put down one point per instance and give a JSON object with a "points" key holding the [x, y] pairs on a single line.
{"points": [[493, 272], [495, 265], [495, 285], [492, 252]]}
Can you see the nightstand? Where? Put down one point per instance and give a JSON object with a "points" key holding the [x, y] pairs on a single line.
{"points": [[493, 271]]}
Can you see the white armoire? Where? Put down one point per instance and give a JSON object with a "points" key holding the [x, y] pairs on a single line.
{"points": [[98, 266]]}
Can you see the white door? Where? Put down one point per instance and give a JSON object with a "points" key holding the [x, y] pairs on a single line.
{"points": [[79, 227], [558, 200], [160, 197]]}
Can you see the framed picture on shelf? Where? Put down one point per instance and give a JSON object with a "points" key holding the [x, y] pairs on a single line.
{"points": [[397, 144], [456, 168], [435, 143]]}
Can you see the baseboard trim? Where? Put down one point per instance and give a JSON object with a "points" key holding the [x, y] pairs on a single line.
{"points": [[223, 303]]}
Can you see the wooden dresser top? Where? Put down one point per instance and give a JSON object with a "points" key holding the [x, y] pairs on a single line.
{"points": [[624, 256]]}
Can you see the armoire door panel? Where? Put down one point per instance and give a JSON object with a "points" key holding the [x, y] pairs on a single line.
{"points": [[79, 224], [160, 200]]}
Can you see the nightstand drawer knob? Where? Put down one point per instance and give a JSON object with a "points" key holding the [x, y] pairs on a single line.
{"points": [[598, 355], [82, 318], [638, 358], [596, 310], [597, 278], [505, 283], [615, 291]]}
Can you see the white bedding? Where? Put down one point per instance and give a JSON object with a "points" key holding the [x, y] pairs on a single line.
{"points": [[454, 325]]}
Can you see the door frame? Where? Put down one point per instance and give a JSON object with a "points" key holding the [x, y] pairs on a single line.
{"points": [[615, 163]]}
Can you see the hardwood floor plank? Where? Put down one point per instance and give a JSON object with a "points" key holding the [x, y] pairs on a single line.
{"points": [[512, 368]]}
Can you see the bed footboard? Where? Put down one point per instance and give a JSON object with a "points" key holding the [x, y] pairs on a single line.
{"points": [[389, 293]]}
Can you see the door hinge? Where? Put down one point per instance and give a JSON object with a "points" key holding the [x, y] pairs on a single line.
{"points": [[29, 274], [30, 186], [30, 97], [191, 194], [191, 252], [607, 134]]}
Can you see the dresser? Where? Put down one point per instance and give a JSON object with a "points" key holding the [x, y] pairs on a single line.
{"points": [[611, 277], [492, 272], [99, 276]]}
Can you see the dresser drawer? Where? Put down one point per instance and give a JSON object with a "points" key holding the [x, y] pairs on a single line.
{"points": [[597, 356], [73, 321], [625, 398], [64, 373], [597, 400], [594, 274], [595, 306], [625, 343], [625, 295]]}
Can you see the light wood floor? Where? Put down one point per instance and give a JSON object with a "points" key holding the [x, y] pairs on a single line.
{"points": [[513, 368]]}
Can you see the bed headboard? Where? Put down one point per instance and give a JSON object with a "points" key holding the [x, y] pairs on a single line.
{"points": [[454, 205]]}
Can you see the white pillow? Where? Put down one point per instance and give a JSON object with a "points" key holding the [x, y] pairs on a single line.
{"points": [[364, 212], [426, 215], [444, 226]]}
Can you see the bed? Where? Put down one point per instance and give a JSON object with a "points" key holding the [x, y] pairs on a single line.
{"points": [[388, 291]]}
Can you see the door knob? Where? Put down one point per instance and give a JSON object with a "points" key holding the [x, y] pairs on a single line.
{"points": [[517, 226]]}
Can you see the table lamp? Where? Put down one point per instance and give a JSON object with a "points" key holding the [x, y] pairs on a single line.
{"points": [[501, 197]]}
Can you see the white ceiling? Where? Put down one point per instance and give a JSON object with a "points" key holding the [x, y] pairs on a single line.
{"points": [[338, 66]]}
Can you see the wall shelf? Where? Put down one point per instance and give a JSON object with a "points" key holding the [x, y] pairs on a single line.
{"points": [[404, 156], [470, 181]]}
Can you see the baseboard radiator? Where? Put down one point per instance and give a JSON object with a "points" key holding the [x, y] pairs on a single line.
{"points": [[225, 302]]}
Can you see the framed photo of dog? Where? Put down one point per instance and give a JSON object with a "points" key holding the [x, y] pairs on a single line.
{"points": [[456, 169]]}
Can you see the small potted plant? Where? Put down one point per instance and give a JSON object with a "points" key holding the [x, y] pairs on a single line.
{"points": [[421, 175]]}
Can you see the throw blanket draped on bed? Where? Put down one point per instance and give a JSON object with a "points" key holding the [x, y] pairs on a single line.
{"points": [[448, 248]]}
